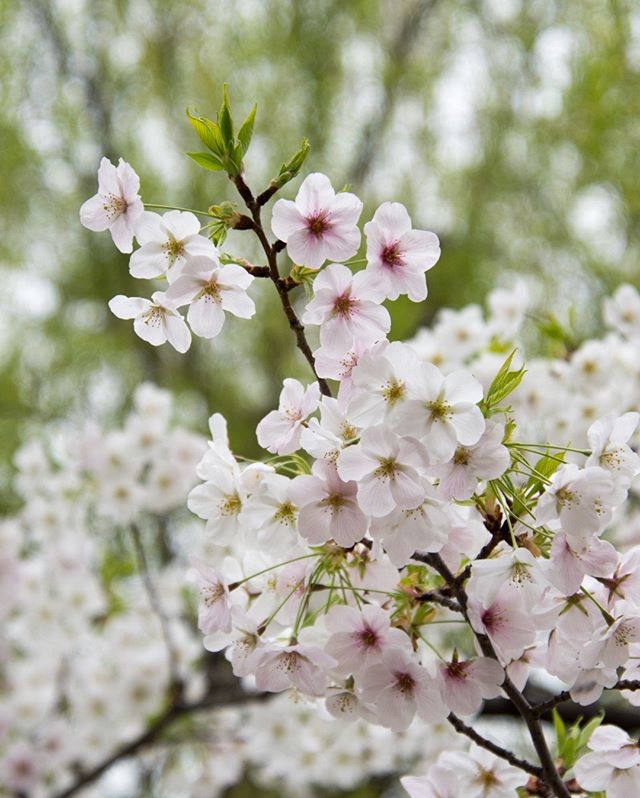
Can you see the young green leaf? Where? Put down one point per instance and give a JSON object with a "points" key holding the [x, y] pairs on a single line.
{"points": [[224, 119], [206, 161], [208, 133], [246, 130]]}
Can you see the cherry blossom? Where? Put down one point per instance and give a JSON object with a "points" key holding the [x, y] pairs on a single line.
{"points": [[167, 242], [359, 638], [386, 468], [397, 255], [344, 306], [328, 507], [613, 765], [464, 684], [487, 459], [210, 290], [155, 321], [117, 205], [399, 688], [303, 667], [442, 411], [280, 430], [320, 225]]}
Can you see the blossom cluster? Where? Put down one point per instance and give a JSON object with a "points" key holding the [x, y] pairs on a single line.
{"points": [[413, 545]]}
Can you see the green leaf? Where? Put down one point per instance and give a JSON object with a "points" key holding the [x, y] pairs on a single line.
{"points": [[206, 161], [545, 467], [504, 383], [560, 729], [291, 168], [208, 133], [246, 130], [224, 120]]}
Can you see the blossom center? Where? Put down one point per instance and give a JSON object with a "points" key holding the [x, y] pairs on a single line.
{"points": [[230, 505], [317, 224], [405, 682], [114, 206], [439, 410], [392, 255], [368, 637], [154, 316], [392, 391], [387, 468], [212, 594], [344, 305], [210, 292], [173, 249], [285, 514]]}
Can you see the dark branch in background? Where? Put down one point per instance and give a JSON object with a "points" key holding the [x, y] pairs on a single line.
{"points": [[157, 609], [483, 742], [397, 57], [222, 689], [68, 68], [283, 285]]}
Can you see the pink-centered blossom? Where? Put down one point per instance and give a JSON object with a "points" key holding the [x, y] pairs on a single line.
{"points": [[279, 431], [166, 243], [465, 683], [155, 321], [117, 205], [343, 305], [398, 689], [328, 507], [397, 255], [320, 225], [359, 638], [505, 621], [210, 290]]}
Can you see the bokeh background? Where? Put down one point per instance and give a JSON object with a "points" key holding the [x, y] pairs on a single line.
{"points": [[512, 129]]}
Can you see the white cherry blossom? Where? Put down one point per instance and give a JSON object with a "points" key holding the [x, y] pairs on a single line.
{"points": [[210, 290], [117, 205], [167, 242], [155, 321]]}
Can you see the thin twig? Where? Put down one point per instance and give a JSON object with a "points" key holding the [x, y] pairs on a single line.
{"points": [[283, 286], [158, 610], [483, 742]]}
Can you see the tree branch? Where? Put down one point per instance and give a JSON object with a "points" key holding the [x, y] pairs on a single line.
{"points": [[483, 742], [283, 286], [157, 608], [550, 775]]}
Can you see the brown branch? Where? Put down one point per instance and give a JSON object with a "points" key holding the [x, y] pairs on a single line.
{"points": [[550, 774], [283, 286], [436, 597], [158, 610], [483, 742]]}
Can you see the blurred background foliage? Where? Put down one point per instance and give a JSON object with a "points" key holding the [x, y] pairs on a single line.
{"points": [[510, 128]]}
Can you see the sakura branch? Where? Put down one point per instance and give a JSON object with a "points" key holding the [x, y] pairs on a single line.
{"points": [[424, 496]]}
